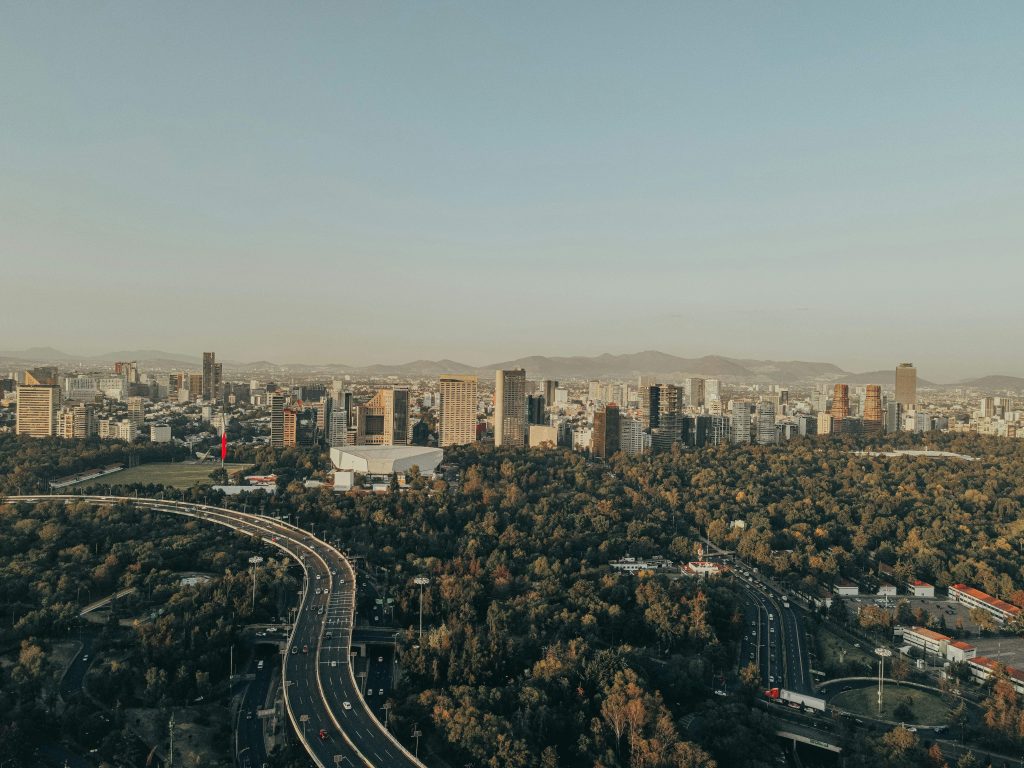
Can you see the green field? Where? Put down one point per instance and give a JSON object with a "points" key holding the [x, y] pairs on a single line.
{"points": [[177, 475], [835, 652], [928, 707]]}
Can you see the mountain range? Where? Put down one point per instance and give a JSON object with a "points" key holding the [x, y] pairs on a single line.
{"points": [[649, 363]]}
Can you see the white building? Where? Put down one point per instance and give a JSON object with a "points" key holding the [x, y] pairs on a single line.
{"points": [[765, 432], [633, 441], [543, 436], [386, 459], [159, 433], [846, 589], [920, 588], [740, 421]]}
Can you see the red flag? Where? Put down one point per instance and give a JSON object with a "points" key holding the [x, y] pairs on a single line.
{"points": [[223, 445]]}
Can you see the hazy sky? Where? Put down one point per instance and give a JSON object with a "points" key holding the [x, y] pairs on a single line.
{"points": [[377, 182]]}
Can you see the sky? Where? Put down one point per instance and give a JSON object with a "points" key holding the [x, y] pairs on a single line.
{"points": [[379, 182]]}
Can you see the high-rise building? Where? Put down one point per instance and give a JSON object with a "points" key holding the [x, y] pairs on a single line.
{"points": [[76, 421], [535, 409], [37, 409], [337, 423], [712, 389], [695, 392], [650, 405], [130, 370], [548, 390], [824, 423], [384, 420], [740, 421], [906, 386], [765, 433], [43, 375], [873, 416], [510, 408], [211, 377], [457, 407], [604, 441], [136, 411], [277, 401], [840, 406], [291, 427], [633, 441], [988, 407], [893, 416], [670, 401]]}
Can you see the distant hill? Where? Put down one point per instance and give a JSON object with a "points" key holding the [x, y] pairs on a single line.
{"points": [[995, 383]]}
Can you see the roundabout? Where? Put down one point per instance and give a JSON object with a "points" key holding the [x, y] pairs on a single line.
{"points": [[906, 703]]}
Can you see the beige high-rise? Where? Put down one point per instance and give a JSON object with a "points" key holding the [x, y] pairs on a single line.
{"points": [[906, 386], [37, 410], [510, 408], [456, 423]]}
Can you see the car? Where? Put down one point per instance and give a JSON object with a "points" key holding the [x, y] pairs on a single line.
{"points": [[323, 734], [940, 729], [248, 715], [369, 692], [334, 663], [318, 577], [86, 657], [259, 665], [305, 649], [380, 691], [911, 728], [720, 692], [847, 688], [329, 635], [318, 590], [346, 705], [380, 659]]}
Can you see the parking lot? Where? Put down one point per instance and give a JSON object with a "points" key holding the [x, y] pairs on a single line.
{"points": [[949, 611]]}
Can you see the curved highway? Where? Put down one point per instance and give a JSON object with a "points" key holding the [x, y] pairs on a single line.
{"points": [[320, 690]]}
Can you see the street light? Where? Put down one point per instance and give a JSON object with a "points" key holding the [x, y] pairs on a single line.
{"points": [[303, 719], [416, 733], [883, 653], [422, 581], [254, 561]]}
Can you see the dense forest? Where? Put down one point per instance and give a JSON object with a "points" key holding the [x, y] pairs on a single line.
{"points": [[538, 654]]}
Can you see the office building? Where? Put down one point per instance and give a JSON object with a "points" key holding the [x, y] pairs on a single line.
{"points": [[548, 387], [130, 371], [510, 408], [671, 399], [136, 411], [535, 409], [211, 377], [650, 405], [543, 436], [76, 421], [840, 406], [893, 416], [633, 441], [988, 407], [384, 419], [41, 376], [712, 389], [606, 434], [740, 421], [337, 425], [457, 409], [765, 427], [277, 401], [906, 386], [873, 416], [37, 409], [695, 392], [159, 433], [824, 424], [807, 425]]}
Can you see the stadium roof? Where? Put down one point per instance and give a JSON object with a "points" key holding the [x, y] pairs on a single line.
{"points": [[386, 459]]}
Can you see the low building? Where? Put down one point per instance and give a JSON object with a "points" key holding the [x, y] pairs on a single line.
{"points": [[386, 459], [958, 650], [703, 569], [887, 590], [543, 436], [845, 588], [982, 668], [344, 480], [931, 643], [1001, 610], [634, 564], [920, 588]]}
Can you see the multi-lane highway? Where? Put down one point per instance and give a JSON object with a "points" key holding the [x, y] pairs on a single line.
{"points": [[322, 696], [774, 638]]}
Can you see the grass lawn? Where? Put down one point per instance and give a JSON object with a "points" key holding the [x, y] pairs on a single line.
{"points": [[176, 475], [928, 707], [834, 651]]}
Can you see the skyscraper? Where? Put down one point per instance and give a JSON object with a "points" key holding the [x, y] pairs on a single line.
{"points": [[765, 433], [384, 420], [277, 400], [211, 377], [37, 409], [650, 405], [510, 408], [535, 409], [76, 421], [549, 387], [456, 422], [712, 389], [873, 416], [605, 438], [840, 406], [906, 386], [695, 392], [740, 421], [136, 411]]}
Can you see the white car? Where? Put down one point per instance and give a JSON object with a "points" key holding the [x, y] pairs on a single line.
{"points": [[346, 705]]}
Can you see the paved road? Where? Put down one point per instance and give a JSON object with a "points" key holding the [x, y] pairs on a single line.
{"points": [[251, 745], [320, 689]]}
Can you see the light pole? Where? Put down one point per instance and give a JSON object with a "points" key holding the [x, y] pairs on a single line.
{"points": [[416, 733], [254, 561], [303, 719], [883, 653], [422, 581], [387, 712]]}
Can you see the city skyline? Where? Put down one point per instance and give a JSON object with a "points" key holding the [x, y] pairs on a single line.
{"points": [[796, 180]]}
